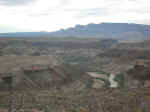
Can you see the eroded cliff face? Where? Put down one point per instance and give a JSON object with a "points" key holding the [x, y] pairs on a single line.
{"points": [[139, 75], [44, 75], [14, 65]]}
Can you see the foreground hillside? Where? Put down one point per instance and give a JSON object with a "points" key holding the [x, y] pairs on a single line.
{"points": [[93, 100]]}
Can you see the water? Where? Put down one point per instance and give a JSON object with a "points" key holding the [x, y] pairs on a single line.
{"points": [[113, 83]]}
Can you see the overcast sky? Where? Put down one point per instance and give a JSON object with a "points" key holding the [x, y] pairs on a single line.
{"points": [[51, 15]]}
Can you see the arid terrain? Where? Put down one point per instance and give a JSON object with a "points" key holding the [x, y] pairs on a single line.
{"points": [[91, 100], [72, 56], [74, 75]]}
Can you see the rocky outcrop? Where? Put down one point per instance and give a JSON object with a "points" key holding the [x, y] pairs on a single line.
{"points": [[47, 77], [138, 76]]}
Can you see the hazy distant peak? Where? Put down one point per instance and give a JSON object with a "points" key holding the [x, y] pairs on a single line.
{"points": [[102, 30]]}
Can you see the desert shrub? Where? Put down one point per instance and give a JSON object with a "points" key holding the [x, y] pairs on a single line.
{"points": [[120, 79], [36, 54], [90, 83]]}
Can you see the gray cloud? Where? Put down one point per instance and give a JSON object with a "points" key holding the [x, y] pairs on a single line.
{"points": [[64, 2], [143, 11], [113, 7], [109, 8], [93, 12], [15, 2], [39, 14]]}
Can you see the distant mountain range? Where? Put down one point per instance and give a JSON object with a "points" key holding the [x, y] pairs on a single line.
{"points": [[103, 30]]}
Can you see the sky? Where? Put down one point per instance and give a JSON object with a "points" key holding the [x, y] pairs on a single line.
{"points": [[52, 15]]}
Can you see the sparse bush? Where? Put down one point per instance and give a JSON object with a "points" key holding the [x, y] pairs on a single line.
{"points": [[120, 79]]}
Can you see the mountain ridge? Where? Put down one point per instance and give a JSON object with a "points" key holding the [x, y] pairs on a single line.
{"points": [[103, 30]]}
